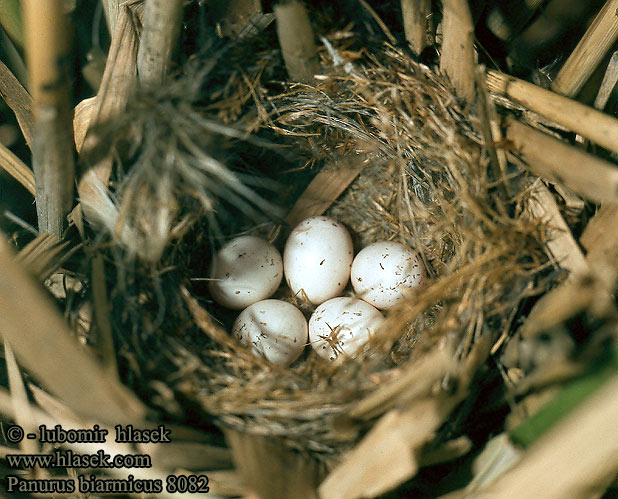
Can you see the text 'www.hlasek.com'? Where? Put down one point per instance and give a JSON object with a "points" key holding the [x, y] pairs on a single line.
{"points": [[97, 471]]}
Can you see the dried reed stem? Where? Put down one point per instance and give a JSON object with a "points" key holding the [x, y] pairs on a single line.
{"points": [[598, 39], [587, 175], [596, 126], [297, 41], [43, 344], [162, 19], [47, 49], [415, 17], [458, 58]]}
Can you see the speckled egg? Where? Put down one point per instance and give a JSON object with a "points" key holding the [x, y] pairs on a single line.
{"points": [[343, 326], [383, 272], [244, 271], [273, 329], [317, 259]]}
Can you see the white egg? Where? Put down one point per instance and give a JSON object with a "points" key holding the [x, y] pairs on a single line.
{"points": [[383, 272], [317, 259], [342, 326], [273, 329], [244, 271]]}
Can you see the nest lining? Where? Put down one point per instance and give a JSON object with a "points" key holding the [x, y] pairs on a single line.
{"points": [[427, 182]]}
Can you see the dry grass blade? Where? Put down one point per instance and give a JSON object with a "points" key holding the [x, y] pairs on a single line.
{"points": [[589, 176], [457, 60], [112, 11], [590, 123], [19, 100], [44, 346], [14, 166], [162, 19], [297, 40], [104, 333], [81, 120], [42, 256], [596, 42], [608, 84]]}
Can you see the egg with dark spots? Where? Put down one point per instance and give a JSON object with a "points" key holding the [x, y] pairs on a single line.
{"points": [[385, 272], [244, 271], [272, 329], [317, 259], [343, 327]]}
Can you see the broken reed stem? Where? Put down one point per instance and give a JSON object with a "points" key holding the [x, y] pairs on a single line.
{"points": [[297, 40], [596, 42], [594, 125], [162, 20], [560, 244], [458, 59], [415, 18], [591, 177], [47, 51]]}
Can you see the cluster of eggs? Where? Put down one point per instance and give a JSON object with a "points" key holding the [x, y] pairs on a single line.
{"points": [[318, 261]]}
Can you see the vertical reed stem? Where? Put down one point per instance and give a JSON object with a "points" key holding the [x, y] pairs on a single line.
{"points": [[415, 14], [457, 59], [47, 54], [297, 42], [162, 19]]}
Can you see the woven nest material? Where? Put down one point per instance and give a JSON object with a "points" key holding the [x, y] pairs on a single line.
{"points": [[477, 172], [426, 180]]}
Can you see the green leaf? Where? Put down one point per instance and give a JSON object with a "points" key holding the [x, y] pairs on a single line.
{"points": [[10, 19]]}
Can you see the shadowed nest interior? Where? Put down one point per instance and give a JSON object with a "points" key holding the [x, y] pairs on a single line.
{"points": [[427, 181]]}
